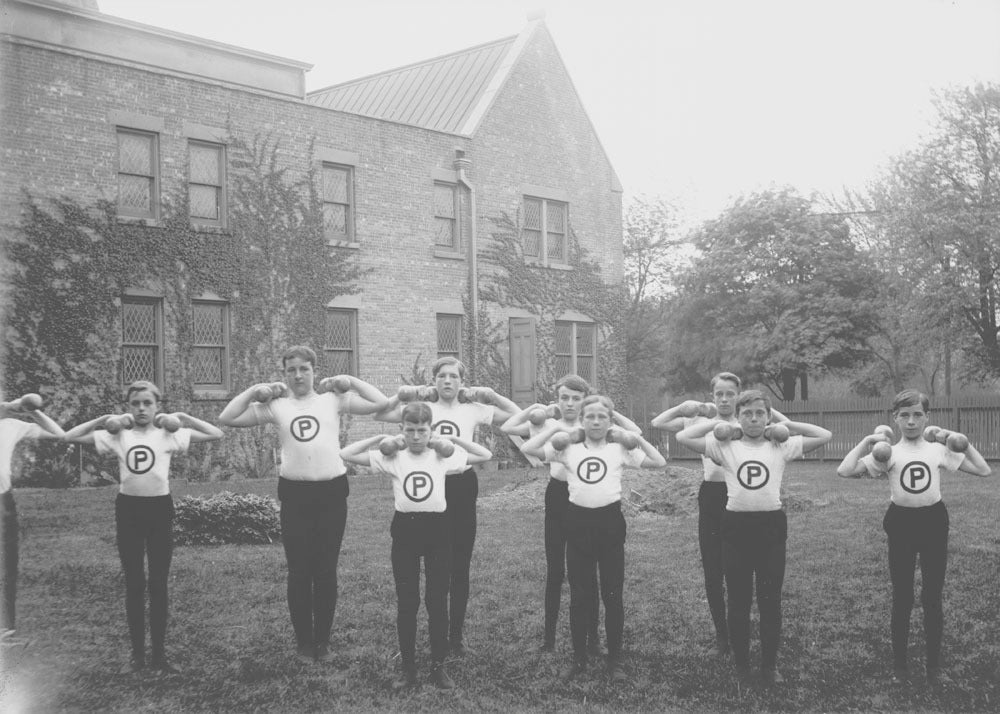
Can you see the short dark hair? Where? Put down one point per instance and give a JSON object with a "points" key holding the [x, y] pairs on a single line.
{"points": [[728, 377], [752, 395], [142, 385], [574, 382], [909, 398], [598, 399], [443, 361], [416, 413], [300, 351]]}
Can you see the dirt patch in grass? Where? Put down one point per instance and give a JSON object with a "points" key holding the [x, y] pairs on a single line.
{"points": [[672, 491]]}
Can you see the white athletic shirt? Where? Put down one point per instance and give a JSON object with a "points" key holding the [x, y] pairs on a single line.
{"points": [[460, 418], [557, 470], [143, 457], [753, 470], [418, 479], [11, 432], [713, 472], [309, 432], [595, 475], [915, 476]]}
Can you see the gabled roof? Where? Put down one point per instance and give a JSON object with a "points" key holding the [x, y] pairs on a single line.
{"points": [[448, 93]]}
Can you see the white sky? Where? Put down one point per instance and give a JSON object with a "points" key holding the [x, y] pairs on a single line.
{"points": [[698, 101]]}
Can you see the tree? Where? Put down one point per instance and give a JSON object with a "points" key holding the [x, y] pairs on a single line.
{"points": [[775, 294], [934, 223], [653, 258]]}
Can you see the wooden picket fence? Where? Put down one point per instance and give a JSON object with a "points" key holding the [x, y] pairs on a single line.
{"points": [[975, 415]]}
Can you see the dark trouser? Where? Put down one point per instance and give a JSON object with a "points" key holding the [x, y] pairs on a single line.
{"points": [[145, 530], [313, 517], [416, 535], [8, 559], [711, 507], [912, 532], [753, 546], [461, 491], [556, 503], [595, 542]]}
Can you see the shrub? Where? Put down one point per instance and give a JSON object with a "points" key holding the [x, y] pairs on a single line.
{"points": [[226, 517]]}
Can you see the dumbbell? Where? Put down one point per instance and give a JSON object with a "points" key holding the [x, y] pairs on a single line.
{"points": [[882, 452], [625, 438], [117, 422], [562, 439], [776, 432], [473, 394], [167, 421], [885, 431], [444, 447], [724, 432], [339, 384], [391, 444], [29, 402], [538, 415]]}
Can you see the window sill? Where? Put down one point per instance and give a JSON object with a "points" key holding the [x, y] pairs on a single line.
{"points": [[448, 254], [535, 263], [211, 394], [343, 244], [208, 228], [139, 220]]}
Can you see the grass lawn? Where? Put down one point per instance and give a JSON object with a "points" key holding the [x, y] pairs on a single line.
{"points": [[230, 635]]}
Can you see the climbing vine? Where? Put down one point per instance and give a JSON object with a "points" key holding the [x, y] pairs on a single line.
{"points": [[511, 280], [68, 264]]}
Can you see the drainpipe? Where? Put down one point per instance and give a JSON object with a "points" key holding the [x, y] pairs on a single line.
{"points": [[461, 164]]}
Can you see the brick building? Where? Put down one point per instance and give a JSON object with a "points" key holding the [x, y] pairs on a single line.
{"points": [[409, 175]]}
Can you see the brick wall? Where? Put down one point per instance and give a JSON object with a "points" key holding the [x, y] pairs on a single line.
{"points": [[58, 138]]}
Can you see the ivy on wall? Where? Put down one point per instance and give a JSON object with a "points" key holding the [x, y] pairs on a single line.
{"points": [[68, 264], [509, 279]]}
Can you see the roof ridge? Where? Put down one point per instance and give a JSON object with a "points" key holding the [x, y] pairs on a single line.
{"points": [[413, 65]]}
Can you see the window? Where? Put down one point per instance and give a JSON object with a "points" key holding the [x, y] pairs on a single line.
{"points": [[210, 345], [206, 178], [338, 202], [340, 344], [544, 230], [446, 211], [449, 334], [576, 350], [138, 174], [142, 339]]}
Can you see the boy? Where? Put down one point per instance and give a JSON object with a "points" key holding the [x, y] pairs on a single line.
{"points": [[595, 526], [419, 527], [313, 485], [570, 393], [725, 388], [456, 417], [144, 508], [754, 526], [12, 430], [916, 521]]}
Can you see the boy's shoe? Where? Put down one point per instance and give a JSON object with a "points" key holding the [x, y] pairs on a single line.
{"points": [[721, 648], [572, 671], [743, 676], [900, 676], [440, 677], [771, 677], [616, 671], [460, 650], [548, 646], [162, 664], [406, 679], [10, 638], [133, 666], [305, 653], [937, 678], [323, 653]]}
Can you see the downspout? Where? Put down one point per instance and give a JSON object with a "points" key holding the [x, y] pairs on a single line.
{"points": [[461, 164]]}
